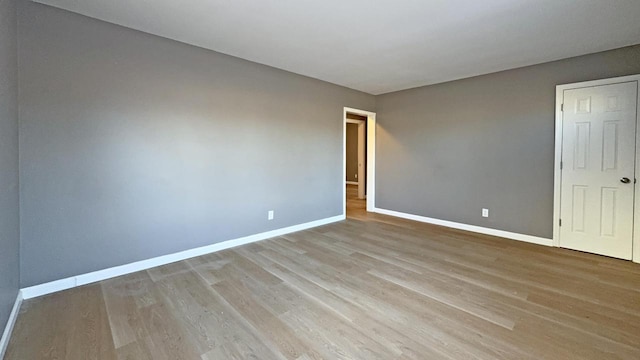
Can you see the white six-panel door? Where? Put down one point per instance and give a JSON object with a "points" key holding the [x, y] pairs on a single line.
{"points": [[598, 157]]}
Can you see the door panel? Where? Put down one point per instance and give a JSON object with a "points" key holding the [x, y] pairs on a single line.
{"points": [[598, 150]]}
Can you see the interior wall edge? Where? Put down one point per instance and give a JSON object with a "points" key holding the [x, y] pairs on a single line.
{"points": [[13, 316], [92, 277], [467, 227], [9, 164]]}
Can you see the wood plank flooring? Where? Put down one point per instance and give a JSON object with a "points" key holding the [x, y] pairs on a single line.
{"points": [[370, 288]]}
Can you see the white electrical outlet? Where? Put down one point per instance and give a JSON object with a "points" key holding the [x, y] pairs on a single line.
{"points": [[485, 212], [356, 176], [270, 215]]}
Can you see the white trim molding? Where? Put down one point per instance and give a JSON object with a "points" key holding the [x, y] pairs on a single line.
{"points": [[361, 147], [83, 279], [13, 316], [467, 227], [557, 173], [371, 156]]}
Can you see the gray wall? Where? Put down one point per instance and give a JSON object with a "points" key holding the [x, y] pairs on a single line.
{"points": [[9, 223], [446, 151], [352, 151], [135, 146]]}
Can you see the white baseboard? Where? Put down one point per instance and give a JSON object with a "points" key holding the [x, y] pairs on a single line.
{"points": [[352, 183], [83, 279], [6, 335], [473, 228]]}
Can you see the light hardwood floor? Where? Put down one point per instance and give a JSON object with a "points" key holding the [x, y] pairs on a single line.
{"points": [[370, 288]]}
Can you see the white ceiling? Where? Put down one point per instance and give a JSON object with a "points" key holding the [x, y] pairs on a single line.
{"points": [[380, 46]]}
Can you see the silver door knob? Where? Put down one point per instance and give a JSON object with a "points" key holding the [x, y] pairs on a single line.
{"points": [[625, 180]]}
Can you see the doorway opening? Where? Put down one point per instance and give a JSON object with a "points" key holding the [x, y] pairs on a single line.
{"points": [[358, 162]]}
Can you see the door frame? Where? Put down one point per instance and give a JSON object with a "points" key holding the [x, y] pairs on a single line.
{"points": [[361, 146], [557, 174], [371, 157]]}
